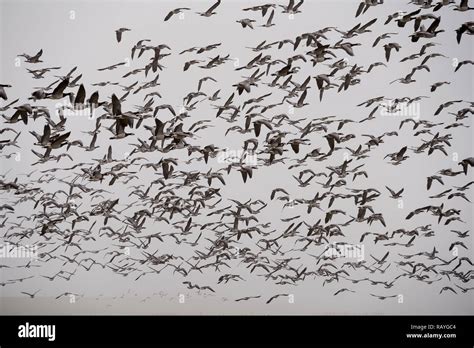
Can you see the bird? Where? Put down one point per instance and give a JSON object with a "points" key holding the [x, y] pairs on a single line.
{"points": [[3, 94], [178, 10], [269, 22], [246, 22], [210, 12], [463, 6], [399, 156], [395, 194], [58, 92], [112, 67], [30, 295], [119, 32], [342, 290], [461, 63], [435, 86], [247, 298], [33, 59], [275, 297], [382, 260], [465, 28], [382, 37], [383, 297], [292, 7], [432, 178], [188, 64], [447, 288], [300, 103], [389, 47], [466, 163]]}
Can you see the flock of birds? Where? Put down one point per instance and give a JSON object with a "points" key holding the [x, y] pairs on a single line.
{"points": [[73, 205]]}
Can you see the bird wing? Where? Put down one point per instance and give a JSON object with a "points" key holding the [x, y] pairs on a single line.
{"points": [[61, 87], [81, 95], [169, 15], [116, 105], [213, 7]]}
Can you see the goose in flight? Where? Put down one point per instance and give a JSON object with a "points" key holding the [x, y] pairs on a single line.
{"points": [[269, 21], [119, 32], [383, 297], [342, 290], [190, 63], [436, 85], [466, 163], [407, 17], [465, 28], [447, 288], [463, 6], [292, 8], [394, 194], [464, 62], [429, 33], [246, 298], [365, 5], [382, 37], [275, 297], [3, 94], [210, 11], [32, 59], [382, 260], [399, 156], [246, 22], [111, 67], [389, 47], [30, 295], [176, 11], [58, 92], [300, 103], [263, 8]]}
